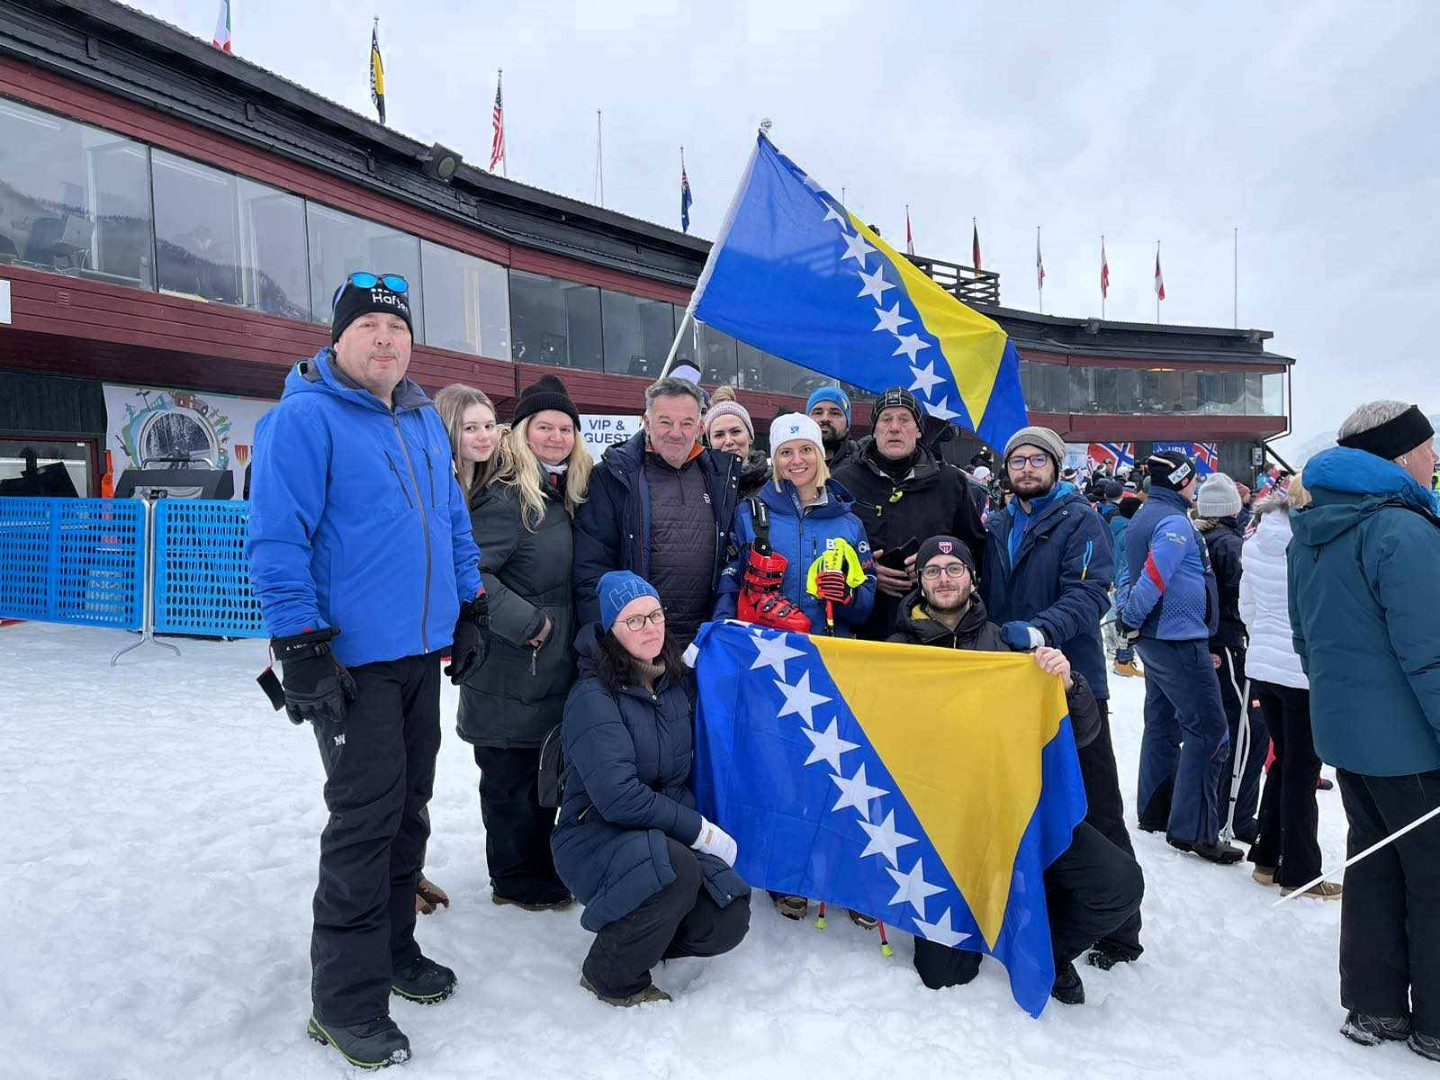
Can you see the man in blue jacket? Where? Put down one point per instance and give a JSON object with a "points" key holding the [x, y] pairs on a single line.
{"points": [[1364, 593], [1047, 582], [1172, 607], [361, 555]]}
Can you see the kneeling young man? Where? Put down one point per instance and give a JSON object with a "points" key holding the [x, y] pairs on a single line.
{"points": [[1094, 886]]}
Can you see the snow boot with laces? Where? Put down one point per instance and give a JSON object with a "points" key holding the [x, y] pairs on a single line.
{"points": [[650, 994], [424, 981], [1370, 1030], [1068, 989], [761, 601], [371, 1045], [1427, 1046]]}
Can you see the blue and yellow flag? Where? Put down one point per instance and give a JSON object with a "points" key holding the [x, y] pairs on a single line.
{"points": [[927, 787], [795, 274]]}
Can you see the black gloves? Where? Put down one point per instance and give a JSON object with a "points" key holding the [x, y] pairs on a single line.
{"points": [[1127, 635], [471, 641], [316, 684]]}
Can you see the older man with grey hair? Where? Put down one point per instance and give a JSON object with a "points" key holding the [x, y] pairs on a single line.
{"points": [[660, 505], [1364, 574]]}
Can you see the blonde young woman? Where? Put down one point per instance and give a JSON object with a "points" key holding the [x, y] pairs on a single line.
{"points": [[522, 519]]}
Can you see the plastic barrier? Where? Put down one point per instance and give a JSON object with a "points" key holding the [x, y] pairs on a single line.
{"points": [[202, 581], [78, 561]]}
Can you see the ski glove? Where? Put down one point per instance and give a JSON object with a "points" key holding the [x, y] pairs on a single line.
{"points": [[472, 639], [1022, 636], [714, 840], [831, 585], [1127, 635], [317, 686]]}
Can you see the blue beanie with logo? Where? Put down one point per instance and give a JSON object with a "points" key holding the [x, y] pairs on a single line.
{"points": [[616, 589], [830, 393]]}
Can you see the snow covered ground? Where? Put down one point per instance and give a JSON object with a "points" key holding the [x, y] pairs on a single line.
{"points": [[161, 828]]}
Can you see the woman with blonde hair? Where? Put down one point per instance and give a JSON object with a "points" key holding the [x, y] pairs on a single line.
{"points": [[522, 517]]}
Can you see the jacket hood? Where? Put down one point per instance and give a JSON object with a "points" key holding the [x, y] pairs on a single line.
{"points": [[321, 375], [1348, 486], [1272, 533], [913, 619]]}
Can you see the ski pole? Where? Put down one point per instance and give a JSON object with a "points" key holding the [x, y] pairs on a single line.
{"points": [[1242, 748], [820, 918], [885, 949], [1432, 812]]}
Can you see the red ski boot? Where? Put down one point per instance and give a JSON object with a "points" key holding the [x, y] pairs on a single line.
{"points": [[761, 601]]}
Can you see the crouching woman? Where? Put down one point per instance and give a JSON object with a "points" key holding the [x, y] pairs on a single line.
{"points": [[655, 877]]}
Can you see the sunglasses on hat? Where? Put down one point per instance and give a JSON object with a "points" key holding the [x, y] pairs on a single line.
{"points": [[364, 279]]}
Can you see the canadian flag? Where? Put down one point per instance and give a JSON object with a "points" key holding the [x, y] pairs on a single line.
{"points": [[222, 28], [1159, 279]]}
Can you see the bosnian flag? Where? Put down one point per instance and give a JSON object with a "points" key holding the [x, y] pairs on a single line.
{"points": [[222, 28], [1159, 278]]}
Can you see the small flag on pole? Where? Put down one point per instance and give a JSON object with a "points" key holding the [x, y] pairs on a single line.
{"points": [[909, 236], [377, 71], [685, 197], [975, 246], [1039, 262], [1104, 271], [222, 28], [1159, 277], [497, 121]]}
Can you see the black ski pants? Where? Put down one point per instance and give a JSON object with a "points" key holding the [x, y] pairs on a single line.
{"points": [[517, 827], [1090, 891], [1390, 919], [1107, 814], [1289, 811], [379, 773], [1251, 755], [680, 920]]}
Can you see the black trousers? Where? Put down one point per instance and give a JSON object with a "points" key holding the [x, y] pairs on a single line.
{"points": [[1390, 920], [1107, 814], [679, 920], [1237, 711], [1289, 812], [379, 773], [1090, 891], [517, 827]]}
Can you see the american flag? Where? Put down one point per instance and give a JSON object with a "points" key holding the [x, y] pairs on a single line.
{"points": [[497, 119]]}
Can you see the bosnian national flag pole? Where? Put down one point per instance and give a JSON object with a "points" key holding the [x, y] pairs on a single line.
{"points": [[794, 274]]}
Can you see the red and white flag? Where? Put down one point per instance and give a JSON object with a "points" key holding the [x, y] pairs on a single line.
{"points": [[1039, 263], [497, 120], [222, 28], [909, 236], [975, 246], [1159, 279], [1104, 271]]}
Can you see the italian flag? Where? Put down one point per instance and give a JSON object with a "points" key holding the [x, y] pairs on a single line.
{"points": [[222, 28]]}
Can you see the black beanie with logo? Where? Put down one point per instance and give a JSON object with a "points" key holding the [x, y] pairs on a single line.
{"points": [[354, 302]]}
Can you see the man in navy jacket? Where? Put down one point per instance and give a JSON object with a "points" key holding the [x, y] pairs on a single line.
{"points": [[361, 555]]}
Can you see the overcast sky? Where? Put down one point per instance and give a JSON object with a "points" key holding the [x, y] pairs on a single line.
{"points": [[1310, 127]]}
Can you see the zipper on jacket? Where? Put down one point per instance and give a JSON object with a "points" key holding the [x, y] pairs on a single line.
{"points": [[424, 530], [430, 468], [401, 483]]}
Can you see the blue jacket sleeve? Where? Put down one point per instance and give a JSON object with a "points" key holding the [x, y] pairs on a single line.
{"points": [[1086, 568], [727, 593], [1409, 591], [287, 499], [598, 543], [858, 610], [1169, 544], [600, 748]]}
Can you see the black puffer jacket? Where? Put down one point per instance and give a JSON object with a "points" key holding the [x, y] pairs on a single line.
{"points": [[518, 694], [754, 473], [977, 633], [1223, 539]]}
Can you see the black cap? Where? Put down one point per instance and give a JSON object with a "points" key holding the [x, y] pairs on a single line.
{"points": [[1169, 469], [898, 396], [546, 392], [944, 545], [354, 301]]}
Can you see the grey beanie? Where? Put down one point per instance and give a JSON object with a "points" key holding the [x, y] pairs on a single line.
{"points": [[1042, 437], [1218, 497]]}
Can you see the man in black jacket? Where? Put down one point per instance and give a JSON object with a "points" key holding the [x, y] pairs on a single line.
{"points": [[1094, 887], [903, 494], [829, 406]]}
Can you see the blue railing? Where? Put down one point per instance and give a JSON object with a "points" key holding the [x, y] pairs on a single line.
{"points": [[202, 582]]}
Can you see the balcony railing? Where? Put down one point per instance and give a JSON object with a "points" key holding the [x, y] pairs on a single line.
{"points": [[965, 283]]}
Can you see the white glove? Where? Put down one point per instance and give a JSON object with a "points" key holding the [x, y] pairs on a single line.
{"points": [[714, 840]]}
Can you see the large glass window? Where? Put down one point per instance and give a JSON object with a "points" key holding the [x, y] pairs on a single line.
{"points": [[74, 199], [638, 333], [341, 244], [718, 364], [467, 302], [555, 322]]}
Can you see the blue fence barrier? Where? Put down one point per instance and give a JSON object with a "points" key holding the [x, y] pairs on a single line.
{"points": [[76, 561], [202, 582]]}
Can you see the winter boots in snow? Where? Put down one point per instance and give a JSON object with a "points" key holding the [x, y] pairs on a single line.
{"points": [[423, 981], [1368, 1030], [761, 601], [1127, 667], [532, 905], [371, 1045], [651, 993], [1427, 1046], [1321, 890], [1068, 989], [1224, 854], [792, 907]]}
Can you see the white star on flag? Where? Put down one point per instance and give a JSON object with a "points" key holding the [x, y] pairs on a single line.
{"points": [[890, 320], [799, 700], [773, 653], [856, 792], [829, 746], [942, 411], [832, 213], [942, 931], [875, 284], [885, 839], [925, 378], [856, 248], [909, 345], [913, 888]]}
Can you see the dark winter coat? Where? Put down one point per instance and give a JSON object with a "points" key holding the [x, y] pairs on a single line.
{"points": [[801, 537], [613, 528], [1119, 525], [1059, 580], [754, 473], [1364, 574], [626, 791], [934, 499], [1224, 541], [518, 694], [845, 453], [976, 633], [1171, 593]]}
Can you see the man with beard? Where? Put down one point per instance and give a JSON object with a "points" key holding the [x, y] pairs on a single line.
{"points": [[903, 494], [829, 406], [1094, 887]]}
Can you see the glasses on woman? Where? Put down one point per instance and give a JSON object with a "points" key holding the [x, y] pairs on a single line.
{"points": [[951, 570], [636, 623], [364, 279], [1035, 461]]}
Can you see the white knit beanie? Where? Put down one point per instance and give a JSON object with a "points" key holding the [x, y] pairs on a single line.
{"points": [[1218, 497], [790, 426]]}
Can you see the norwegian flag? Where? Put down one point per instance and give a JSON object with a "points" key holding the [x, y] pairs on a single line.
{"points": [[1104, 271], [1159, 279], [497, 120], [1207, 456], [1119, 455], [1039, 263]]}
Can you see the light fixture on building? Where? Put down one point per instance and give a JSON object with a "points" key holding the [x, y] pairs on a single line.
{"points": [[440, 163]]}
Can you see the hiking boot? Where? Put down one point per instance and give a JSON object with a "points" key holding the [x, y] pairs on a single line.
{"points": [[532, 905], [792, 907], [1128, 668], [424, 981], [371, 1045], [1265, 875], [1427, 1046], [864, 922], [1223, 854], [1068, 989], [1106, 958], [1368, 1030], [1321, 890], [651, 993]]}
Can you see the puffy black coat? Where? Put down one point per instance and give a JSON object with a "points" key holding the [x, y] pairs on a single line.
{"points": [[975, 632], [1224, 541], [934, 499], [628, 758], [754, 473], [518, 694]]}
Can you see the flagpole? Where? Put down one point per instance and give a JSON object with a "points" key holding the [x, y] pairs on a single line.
{"points": [[1039, 281], [599, 159], [1159, 278], [1103, 268], [1236, 278]]}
